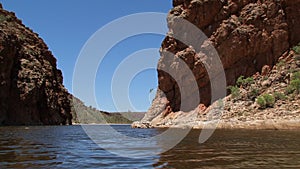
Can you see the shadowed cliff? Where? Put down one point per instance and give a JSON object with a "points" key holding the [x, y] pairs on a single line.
{"points": [[31, 89]]}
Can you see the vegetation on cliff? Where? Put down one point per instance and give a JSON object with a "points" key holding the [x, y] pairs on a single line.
{"points": [[89, 115]]}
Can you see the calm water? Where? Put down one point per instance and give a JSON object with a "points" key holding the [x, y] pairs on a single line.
{"points": [[70, 147]]}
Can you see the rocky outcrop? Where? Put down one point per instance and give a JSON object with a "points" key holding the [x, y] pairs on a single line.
{"points": [[31, 89], [247, 35], [243, 110]]}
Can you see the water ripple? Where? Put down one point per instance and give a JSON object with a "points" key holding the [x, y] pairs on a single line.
{"points": [[69, 147]]}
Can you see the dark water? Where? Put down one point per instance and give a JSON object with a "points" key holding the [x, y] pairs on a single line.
{"points": [[70, 147]]}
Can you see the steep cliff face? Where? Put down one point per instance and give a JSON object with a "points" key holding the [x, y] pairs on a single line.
{"points": [[31, 89], [247, 34]]}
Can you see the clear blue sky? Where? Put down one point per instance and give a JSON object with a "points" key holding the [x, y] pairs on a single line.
{"points": [[66, 25]]}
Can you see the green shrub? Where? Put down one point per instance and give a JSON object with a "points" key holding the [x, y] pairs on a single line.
{"points": [[2, 18], [289, 90], [254, 92], [265, 78], [266, 100], [241, 81], [261, 102], [270, 100], [292, 70], [294, 86], [281, 64], [31, 52], [235, 91], [296, 49], [279, 96], [22, 37], [296, 76]]}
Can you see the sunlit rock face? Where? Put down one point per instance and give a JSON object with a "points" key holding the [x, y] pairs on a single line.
{"points": [[247, 34]]}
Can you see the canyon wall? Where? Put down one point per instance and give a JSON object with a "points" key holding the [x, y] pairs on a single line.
{"points": [[247, 34], [31, 86]]}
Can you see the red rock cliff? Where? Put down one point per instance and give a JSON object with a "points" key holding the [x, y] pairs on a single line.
{"points": [[31, 89], [247, 35]]}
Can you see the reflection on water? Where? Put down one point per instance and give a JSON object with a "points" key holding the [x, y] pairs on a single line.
{"points": [[70, 147], [236, 149], [134, 143]]}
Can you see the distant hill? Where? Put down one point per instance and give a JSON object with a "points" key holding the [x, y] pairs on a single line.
{"points": [[89, 115]]}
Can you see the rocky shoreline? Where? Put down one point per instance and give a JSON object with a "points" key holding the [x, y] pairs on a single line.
{"points": [[275, 124], [242, 110]]}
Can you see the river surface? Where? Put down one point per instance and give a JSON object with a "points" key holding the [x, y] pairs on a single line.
{"points": [[70, 147]]}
